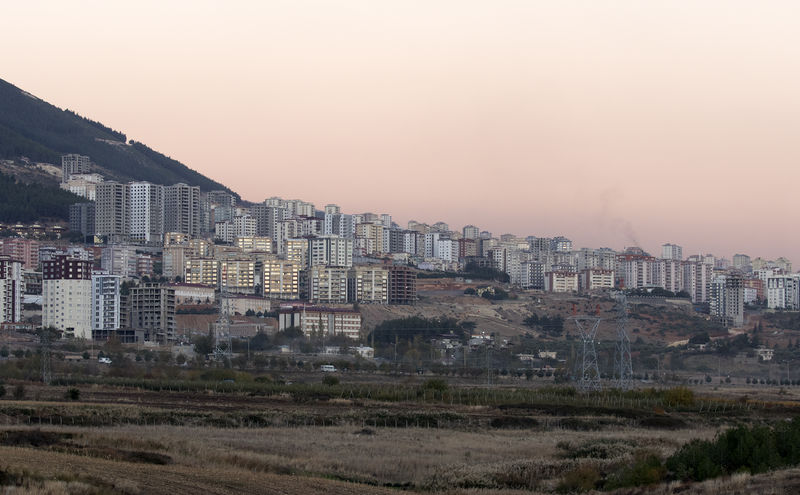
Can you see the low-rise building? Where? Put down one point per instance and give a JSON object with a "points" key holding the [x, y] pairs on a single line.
{"points": [[561, 281], [592, 279], [193, 293], [319, 320]]}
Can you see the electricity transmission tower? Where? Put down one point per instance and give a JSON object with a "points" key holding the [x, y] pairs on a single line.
{"points": [[623, 367], [44, 347], [589, 372], [222, 331]]}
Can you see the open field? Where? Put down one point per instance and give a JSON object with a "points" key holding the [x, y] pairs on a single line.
{"points": [[357, 437]]}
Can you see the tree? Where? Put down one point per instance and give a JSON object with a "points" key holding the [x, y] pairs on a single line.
{"points": [[4, 351], [203, 344], [292, 333], [180, 359], [19, 392], [700, 338]]}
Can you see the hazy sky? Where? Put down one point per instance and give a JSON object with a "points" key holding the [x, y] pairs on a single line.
{"points": [[610, 122]]}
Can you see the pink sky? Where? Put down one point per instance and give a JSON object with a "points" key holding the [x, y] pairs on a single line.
{"points": [[607, 122]]}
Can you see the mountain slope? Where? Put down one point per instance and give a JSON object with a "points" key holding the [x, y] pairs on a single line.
{"points": [[33, 128]]}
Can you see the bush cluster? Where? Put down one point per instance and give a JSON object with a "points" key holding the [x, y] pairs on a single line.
{"points": [[754, 449]]}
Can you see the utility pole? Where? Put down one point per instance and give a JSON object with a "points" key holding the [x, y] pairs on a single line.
{"points": [[395, 353], [488, 369]]}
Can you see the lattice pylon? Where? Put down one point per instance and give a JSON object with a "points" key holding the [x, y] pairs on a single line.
{"points": [[222, 331], [588, 378], [623, 364]]}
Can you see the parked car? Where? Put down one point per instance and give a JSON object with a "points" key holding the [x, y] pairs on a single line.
{"points": [[104, 360], [327, 368]]}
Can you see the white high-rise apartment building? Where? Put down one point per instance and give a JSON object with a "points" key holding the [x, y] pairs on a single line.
{"points": [[671, 252], [742, 262], [145, 211], [111, 209], [105, 303], [471, 232], [697, 278], [244, 226], [673, 275], [10, 290], [330, 251], [783, 292], [67, 295], [182, 209]]}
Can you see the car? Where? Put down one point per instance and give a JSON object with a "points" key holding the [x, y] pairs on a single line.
{"points": [[104, 360], [327, 368]]}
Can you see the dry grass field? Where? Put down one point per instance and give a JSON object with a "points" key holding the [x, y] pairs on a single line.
{"points": [[133, 440]]}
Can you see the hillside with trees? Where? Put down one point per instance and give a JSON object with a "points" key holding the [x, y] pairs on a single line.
{"points": [[40, 132], [29, 202]]}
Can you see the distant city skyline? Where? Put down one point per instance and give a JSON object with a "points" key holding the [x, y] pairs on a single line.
{"points": [[632, 124]]}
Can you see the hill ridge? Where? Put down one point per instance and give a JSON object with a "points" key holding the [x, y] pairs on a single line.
{"points": [[32, 128]]}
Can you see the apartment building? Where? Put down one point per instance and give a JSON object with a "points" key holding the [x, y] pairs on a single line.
{"points": [[73, 164], [151, 308], [83, 185], [368, 284], [561, 281], [25, 251], [182, 209], [325, 285], [402, 285], [726, 299], [106, 307], [369, 238], [67, 295], [330, 251], [783, 292], [281, 279], [11, 287], [145, 211], [253, 243], [204, 271], [111, 213], [82, 218], [237, 276], [697, 278], [592, 279]]}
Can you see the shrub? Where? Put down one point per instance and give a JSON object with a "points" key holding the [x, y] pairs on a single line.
{"points": [[679, 396], [72, 394], [581, 479], [435, 384], [2, 391], [19, 392], [756, 450], [330, 380], [647, 469]]}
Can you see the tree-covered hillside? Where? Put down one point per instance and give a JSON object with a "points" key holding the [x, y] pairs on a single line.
{"points": [[37, 130], [30, 202]]}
